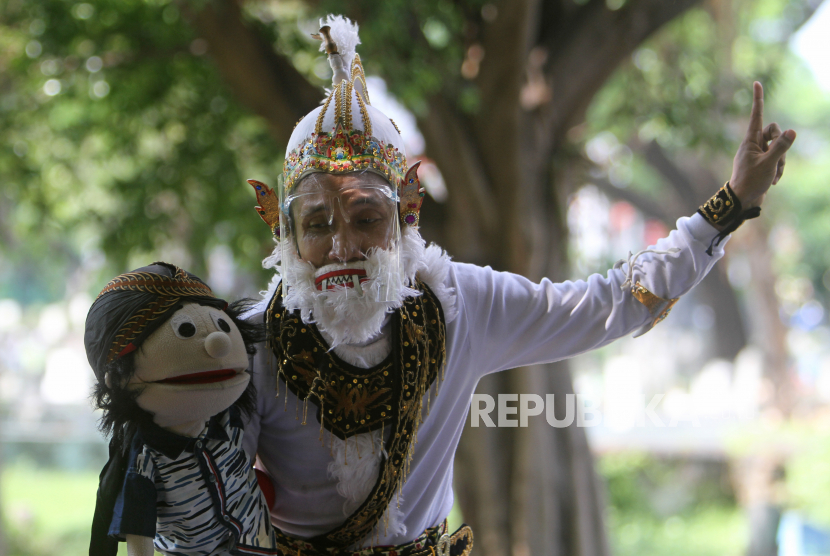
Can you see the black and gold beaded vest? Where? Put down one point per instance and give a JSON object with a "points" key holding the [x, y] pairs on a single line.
{"points": [[350, 400]]}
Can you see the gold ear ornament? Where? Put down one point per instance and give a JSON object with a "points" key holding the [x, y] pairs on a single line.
{"points": [[412, 197], [269, 206]]}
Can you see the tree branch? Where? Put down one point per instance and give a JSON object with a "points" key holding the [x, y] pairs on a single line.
{"points": [[277, 91], [685, 189], [502, 74], [498, 128], [475, 211], [589, 46], [643, 203]]}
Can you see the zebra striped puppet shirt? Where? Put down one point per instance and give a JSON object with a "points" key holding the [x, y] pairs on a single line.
{"points": [[195, 496]]}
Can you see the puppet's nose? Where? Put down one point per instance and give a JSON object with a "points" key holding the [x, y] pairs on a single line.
{"points": [[217, 344]]}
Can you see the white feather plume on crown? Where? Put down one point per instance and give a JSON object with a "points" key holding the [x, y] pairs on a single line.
{"points": [[344, 34]]}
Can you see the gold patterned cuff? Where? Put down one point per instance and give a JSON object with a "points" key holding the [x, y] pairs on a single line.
{"points": [[657, 306], [724, 212], [722, 207]]}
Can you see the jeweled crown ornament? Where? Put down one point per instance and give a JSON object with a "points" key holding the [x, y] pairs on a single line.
{"points": [[345, 134]]}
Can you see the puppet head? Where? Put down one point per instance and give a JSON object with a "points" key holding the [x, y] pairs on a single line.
{"points": [[164, 348]]}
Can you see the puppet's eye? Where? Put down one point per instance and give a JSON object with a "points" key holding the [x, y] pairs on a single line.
{"points": [[221, 322], [183, 326]]}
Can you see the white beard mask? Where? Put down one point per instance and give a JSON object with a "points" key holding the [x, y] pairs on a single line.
{"points": [[351, 307]]}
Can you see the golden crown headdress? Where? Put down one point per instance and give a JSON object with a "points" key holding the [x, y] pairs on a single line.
{"points": [[334, 140]]}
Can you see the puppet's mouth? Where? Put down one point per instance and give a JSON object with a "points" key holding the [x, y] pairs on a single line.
{"points": [[206, 377], [347, 277]]}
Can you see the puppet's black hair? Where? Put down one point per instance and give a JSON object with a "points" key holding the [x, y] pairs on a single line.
{"points": [[121, 413]]}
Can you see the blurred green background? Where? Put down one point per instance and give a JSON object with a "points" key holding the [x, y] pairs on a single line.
{"points": [[128, 128]]}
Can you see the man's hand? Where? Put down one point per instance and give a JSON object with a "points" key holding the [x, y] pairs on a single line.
{"points": [[760, 160]]}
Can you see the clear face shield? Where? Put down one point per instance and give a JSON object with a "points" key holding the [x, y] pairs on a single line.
{"points": [[341, 236]]}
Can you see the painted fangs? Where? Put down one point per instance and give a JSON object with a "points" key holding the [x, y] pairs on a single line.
{"points": [[347, 280], [340, 278]]}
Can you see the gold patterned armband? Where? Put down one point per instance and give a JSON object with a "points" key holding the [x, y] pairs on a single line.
{"points": [[656, 305], [722, 207], [724, 210]]}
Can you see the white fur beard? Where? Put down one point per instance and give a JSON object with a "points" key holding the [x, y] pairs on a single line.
{"points": [[345, 315], [357, 475]]}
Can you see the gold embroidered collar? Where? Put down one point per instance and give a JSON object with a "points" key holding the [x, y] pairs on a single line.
{"points": [[351, 400]]}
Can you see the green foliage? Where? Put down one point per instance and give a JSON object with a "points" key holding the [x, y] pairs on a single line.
{"points": [[34, 505], [689, 87], [803, 446], [708, 531], [418, 47], [648, 485], [803, 198], [121, 140], [681, 84], [119, 137], [808, 472], [665, 506]]}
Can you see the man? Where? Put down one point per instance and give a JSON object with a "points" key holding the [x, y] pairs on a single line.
{"points": [[383, 340]]}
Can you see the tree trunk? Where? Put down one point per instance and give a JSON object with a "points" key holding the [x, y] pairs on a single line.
{"points": [[534, 490], [3, 543], [761, 481], [760, 491], [265, 82], [503, 163], [771, 332], [729, 331]]}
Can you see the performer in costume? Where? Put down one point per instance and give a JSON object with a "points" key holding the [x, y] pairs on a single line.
{"points": [[377, 342]]}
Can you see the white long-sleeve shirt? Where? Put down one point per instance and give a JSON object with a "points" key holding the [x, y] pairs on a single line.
{"points": [[504, 321]]}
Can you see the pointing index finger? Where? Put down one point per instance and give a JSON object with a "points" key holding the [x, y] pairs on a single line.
{"points": [[756, 118]]}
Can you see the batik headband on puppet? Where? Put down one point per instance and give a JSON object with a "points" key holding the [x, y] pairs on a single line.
{"points": [[131, 306], [344, 135]]}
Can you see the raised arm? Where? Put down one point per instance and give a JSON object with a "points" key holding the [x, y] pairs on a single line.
{"points": [[513, 322]]}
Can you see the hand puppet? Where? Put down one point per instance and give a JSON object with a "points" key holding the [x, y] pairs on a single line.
{"points": [[171, 361]]}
